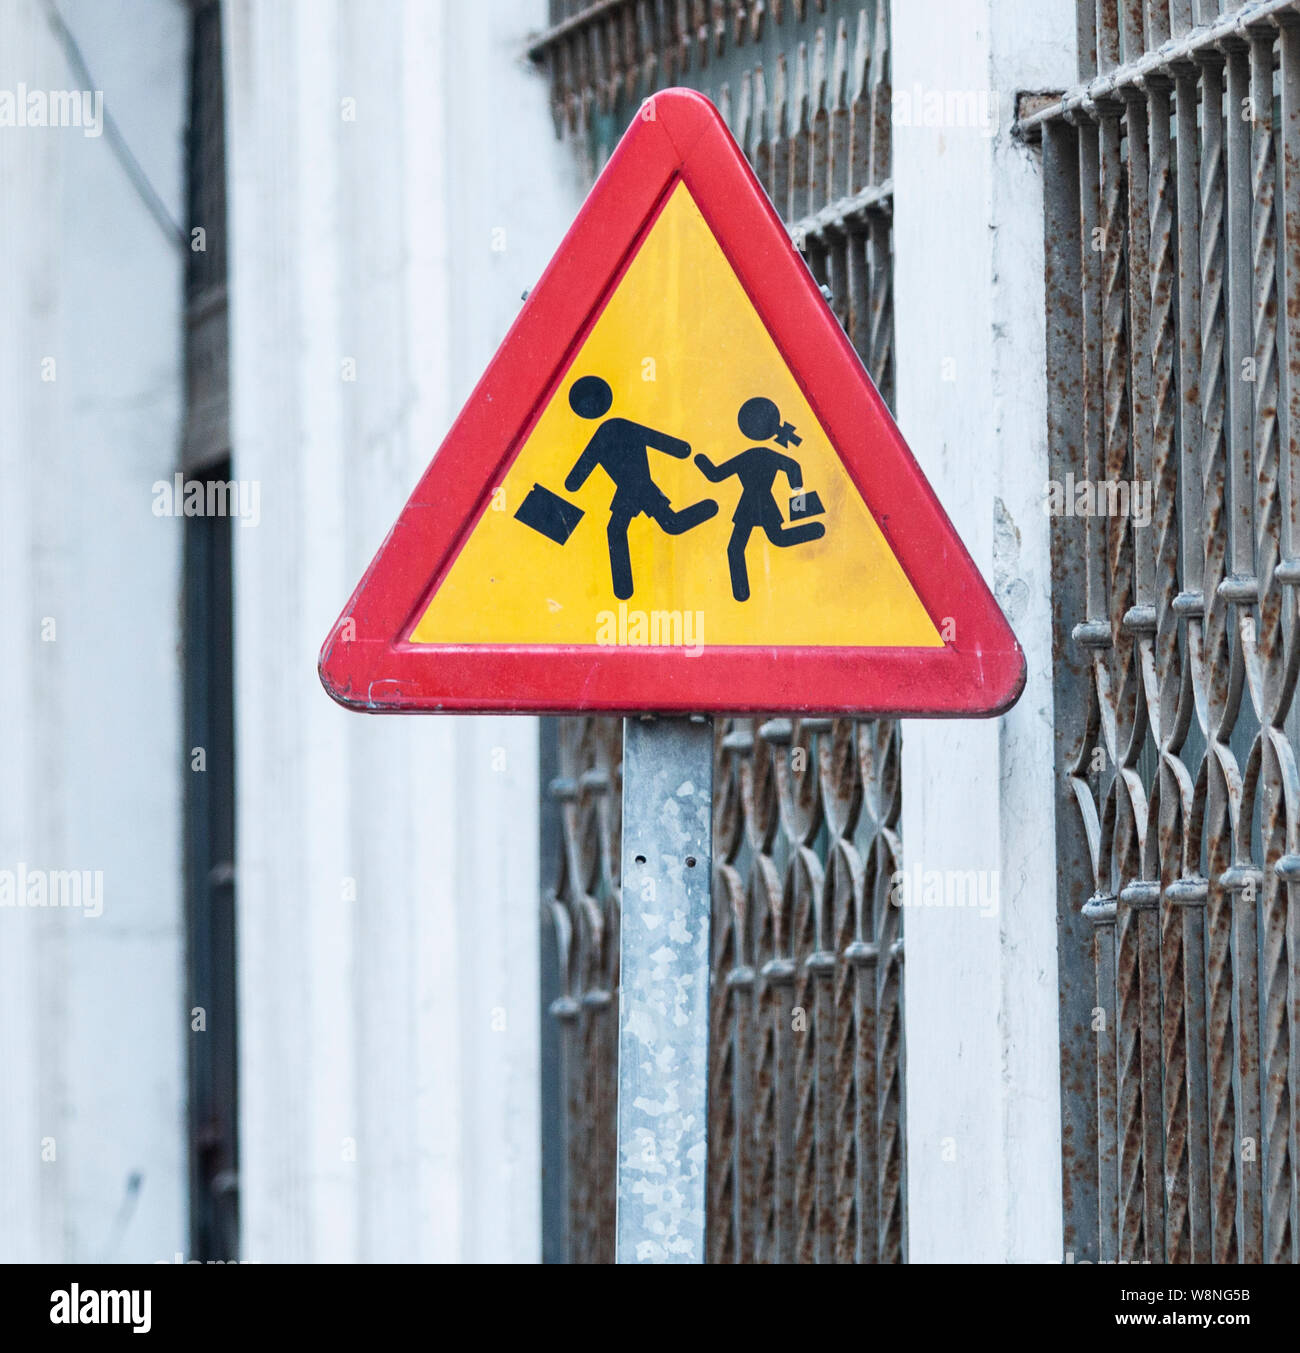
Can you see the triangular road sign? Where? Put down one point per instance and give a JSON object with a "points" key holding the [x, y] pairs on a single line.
{"points": [[675, 489]]}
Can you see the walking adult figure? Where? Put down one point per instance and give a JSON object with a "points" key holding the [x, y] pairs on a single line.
{"points": [[619, 446]]}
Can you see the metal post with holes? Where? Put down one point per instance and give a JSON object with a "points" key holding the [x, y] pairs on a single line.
{"points": [[663, 1014]]}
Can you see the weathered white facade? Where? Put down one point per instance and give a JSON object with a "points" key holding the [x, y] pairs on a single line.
{"points": [[387, 884], [92, 1074], [395, 184]]}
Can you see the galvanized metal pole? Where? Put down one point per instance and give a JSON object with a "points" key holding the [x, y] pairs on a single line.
{"points": [[663, 1008]]}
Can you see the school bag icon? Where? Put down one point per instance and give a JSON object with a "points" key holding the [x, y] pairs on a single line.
{"points": [[805, 504], [546, 512]]}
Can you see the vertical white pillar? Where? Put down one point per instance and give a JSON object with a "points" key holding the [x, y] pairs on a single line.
{"points": [[388, 888], [983, 1116]]}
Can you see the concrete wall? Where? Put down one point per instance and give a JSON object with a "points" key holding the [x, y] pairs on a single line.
{"points": [[983, 1118], [92, 1028], [388, 893]]}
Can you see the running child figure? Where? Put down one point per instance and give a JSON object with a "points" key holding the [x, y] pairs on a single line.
{"points": [[757, 469]]}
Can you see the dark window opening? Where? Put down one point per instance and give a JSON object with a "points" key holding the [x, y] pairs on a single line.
{"points": [[208, 635]]}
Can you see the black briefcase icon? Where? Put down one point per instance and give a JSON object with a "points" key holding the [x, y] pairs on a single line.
{"points": [[548, 513], [805, 505]]}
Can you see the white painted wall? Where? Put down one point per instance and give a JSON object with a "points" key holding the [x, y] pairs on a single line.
{"points": [[91, 1022], [983, 1115], [383, 1116]]}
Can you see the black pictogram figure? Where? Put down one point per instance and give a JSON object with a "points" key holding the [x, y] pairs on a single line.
{"points": [[757, 468], [619, 447]]}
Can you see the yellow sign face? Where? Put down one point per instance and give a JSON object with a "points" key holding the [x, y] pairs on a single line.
{"points": [[677, 489]]}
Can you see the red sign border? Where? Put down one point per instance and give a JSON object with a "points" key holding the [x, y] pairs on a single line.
{"points": [[366, 664]]}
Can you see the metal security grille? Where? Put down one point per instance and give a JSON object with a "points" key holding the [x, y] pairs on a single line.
{"points": [[1173, 248], [805, 1122]]}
